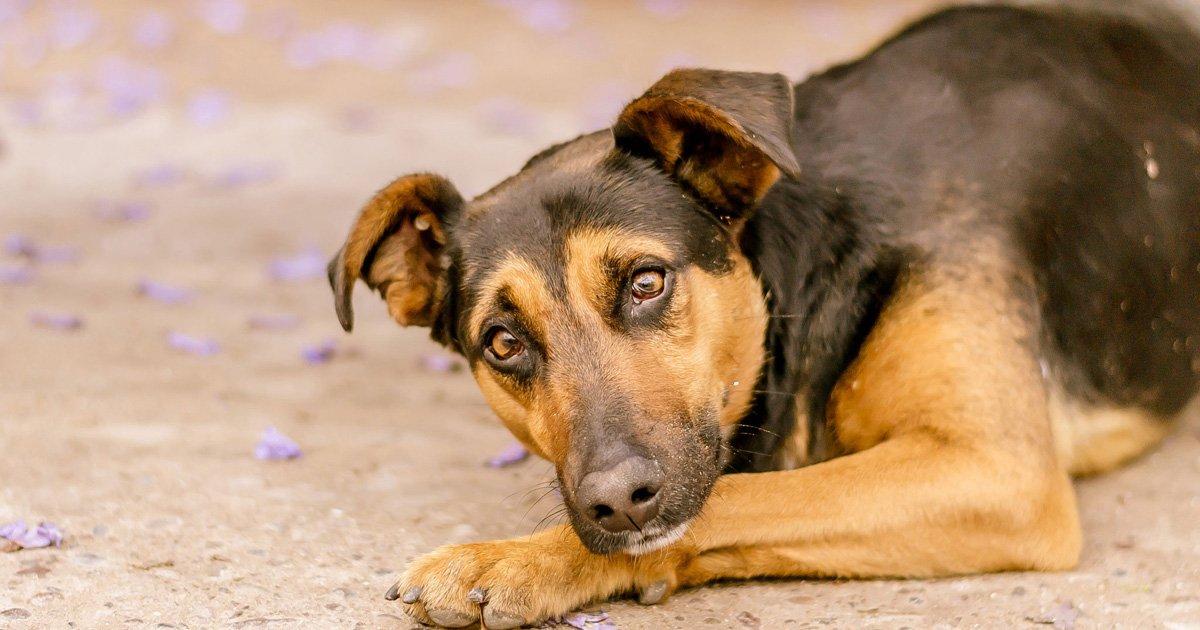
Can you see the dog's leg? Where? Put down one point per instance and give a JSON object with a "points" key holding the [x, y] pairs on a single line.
{"points": [[953, 467]]}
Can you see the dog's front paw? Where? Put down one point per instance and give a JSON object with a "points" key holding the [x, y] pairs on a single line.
{"points": [[523, 581]]}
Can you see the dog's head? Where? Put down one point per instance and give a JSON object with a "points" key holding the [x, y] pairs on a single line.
{"points": [[600, 294]]}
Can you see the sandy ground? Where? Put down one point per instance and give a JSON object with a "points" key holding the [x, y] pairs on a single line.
{"points": [[243, 149]]}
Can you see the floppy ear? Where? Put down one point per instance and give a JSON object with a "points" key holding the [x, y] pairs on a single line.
{"points": [[396, 246], [723, 136]]}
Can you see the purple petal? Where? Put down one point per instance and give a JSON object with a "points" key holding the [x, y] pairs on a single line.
{"points": [[10, 274], [25, 247], [123, 211], [199, 346], [57, 321], [588, 621], [453, 70], [546, 16], [246, 174], [508, 116], [128, 86], [13, 10], [319, 353], [512, 454], [282, 321], [666, 8], [274, 446], [44, 535], [223, 16], [305, 266], [154, 30], [73, 25], [164, 293], [159, 175], [209, 108], [1062, 616], [28, 113], [439, 362]]}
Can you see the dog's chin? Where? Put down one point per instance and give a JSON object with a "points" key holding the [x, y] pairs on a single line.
{"points": [[651, 538]]}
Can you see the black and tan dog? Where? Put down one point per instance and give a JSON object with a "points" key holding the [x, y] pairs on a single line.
{"points": [[868, 325]]}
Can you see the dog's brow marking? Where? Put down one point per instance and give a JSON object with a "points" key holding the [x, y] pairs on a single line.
{"points": [[588, 251], [520, 281]]}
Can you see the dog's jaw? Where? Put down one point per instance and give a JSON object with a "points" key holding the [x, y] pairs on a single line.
{"points": [[653, 541]]}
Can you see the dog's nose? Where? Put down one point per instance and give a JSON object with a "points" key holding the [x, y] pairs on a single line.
{"points": [[624, 497]]}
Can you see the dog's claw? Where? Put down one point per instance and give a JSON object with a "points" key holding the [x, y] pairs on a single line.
{"points": [[653, 594], [392, 593], [478, 595], [411, 595]]}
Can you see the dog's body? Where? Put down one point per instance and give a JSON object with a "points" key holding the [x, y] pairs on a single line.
{"points": [[912, 295]]}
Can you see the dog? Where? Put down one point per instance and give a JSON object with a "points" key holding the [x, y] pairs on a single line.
{"points": [[868, 325]]}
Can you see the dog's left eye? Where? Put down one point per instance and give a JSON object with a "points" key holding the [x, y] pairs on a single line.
{"points": [[502, 345], [647, 284]]}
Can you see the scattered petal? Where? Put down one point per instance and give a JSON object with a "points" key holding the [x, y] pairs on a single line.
{"points": [[512, 454], [56, 321], [154, 30], [223, 16], [276, 446], [123, 211], [282, 321], [159, 175], [666, 8], [508, 116], [14, 274], [545, 16], [73, 25], [307, 265], [246, 174], [44, 535], [319, 353], [164, 293], [128, 86], [1062, 616], [589, 621], [209, 108], [439, 362], [450, 71], [199, 346], [23, 246]]}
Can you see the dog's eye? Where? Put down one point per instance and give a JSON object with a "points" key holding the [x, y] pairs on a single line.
{"points": [[503, 345], [647, 284]]}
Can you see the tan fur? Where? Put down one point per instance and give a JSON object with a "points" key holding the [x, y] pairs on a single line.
{"points": [[1091, 440]]}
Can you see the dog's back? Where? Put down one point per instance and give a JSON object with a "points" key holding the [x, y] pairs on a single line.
{"points": [[1056, 146]]}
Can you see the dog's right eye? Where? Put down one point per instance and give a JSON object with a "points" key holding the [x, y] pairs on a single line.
{"points": [[502, 346]]}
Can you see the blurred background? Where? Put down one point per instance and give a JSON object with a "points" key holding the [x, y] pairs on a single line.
{"points": [[173, 176]]}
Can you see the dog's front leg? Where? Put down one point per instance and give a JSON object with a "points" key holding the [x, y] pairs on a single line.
{"points": [[952, 467], [520, 581]]}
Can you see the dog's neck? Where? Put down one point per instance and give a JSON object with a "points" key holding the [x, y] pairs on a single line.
{"points": [[825, 277]]}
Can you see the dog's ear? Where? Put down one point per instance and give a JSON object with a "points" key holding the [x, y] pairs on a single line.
{"points": [[396, 246], [724, 136]]}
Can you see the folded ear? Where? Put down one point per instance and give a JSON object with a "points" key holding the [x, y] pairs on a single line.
{"points": [[724, 136], [396, 246]]}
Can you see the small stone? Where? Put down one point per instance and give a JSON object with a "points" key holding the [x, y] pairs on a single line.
{"points": [[15, 613], [748, 619]]}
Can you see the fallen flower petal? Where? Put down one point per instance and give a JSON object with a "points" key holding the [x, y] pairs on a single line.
{"points": [[160, 175], [44, 535], [282, 321], [439, 362], [319, 353], [246, 174], [276, 446], [164, 293], [589, 621], [512, 454], [16, 275], [25, 247], [123, 211], [209, 108], [57, 321], [306, 266], [199, 346]]}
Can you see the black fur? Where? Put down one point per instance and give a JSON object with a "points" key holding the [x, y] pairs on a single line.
{"points": [[1072, 138]]}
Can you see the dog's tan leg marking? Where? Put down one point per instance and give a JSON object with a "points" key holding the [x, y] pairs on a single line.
{"points": [[1098, 439], [525, 580], [953, 466]]}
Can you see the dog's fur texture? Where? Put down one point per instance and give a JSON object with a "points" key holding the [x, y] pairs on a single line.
{"points": [[901, 304]]}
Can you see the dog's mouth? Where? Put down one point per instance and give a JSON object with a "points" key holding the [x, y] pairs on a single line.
{"points": [[653, 539]]}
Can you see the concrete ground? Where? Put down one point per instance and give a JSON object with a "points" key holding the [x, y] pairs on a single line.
{"points": [[253, 131]]}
